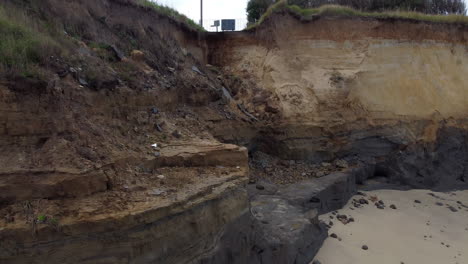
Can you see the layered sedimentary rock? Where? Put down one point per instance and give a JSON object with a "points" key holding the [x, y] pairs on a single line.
{"points": [[353, 88], [141, 170]]}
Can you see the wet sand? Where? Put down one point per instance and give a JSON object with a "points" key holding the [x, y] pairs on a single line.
{"points": [[428, 232]]}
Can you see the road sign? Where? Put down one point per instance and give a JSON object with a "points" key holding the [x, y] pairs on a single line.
{"points": [[228, 24]]}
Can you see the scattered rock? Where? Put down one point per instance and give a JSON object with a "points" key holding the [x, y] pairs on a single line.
{"points": [[393, 207], [161, 177], [453, 209], [342, 164], [363, 201], [82, 81], [195, 69], [119, 54], [320, 174], [365, 247], [177, 134], [158, 127], [260, 187], [334, 235], [226, 94], [339, 217], [138, 55], [439, 204], [379, 206], [417, 201], [154, 111], [156, 192]]}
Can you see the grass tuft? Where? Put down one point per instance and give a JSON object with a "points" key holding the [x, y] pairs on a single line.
{"points": [[22, 49], [172, 13], [336, 10]]}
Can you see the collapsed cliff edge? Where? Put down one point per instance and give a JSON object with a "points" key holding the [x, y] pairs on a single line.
{"points": [[133, 137]]}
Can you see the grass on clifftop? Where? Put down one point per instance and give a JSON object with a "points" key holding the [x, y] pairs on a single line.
{"points": [[336, 10], [172, 13], [22, 48]]}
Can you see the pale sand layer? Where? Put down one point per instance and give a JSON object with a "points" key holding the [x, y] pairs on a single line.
{"points": [[396, 236]]}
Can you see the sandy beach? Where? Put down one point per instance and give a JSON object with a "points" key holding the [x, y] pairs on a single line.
{"points": [[426, 227]]}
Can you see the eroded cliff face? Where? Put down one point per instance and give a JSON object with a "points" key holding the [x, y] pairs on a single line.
{"points": [[134, 164], [342, 69], [342, 82]]}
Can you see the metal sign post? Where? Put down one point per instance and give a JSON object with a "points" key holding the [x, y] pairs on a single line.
{"points": [[216, 24], [201, 13]]}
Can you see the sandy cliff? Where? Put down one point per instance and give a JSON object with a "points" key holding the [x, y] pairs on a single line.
{"points": [[81, 180]]}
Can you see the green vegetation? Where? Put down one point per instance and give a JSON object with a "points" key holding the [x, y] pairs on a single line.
{"points": [[256, 8], [22, 49], [336, 10], [41, 218], [423, 6], [170, 12]]}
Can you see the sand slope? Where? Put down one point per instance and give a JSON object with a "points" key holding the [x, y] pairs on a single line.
{"points": [[412, 233]]}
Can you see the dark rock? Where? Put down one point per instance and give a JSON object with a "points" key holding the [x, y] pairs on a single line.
{"points": [[158, 127], [379, 206], [393, 207], [417, 201], [315, 200], [118, 53], [299, 242], [316, 262], [439, 204], [226, 95], [176, 134], [363, 201], [82, 81], [334, 235], [154, 111], [342, 164], [453, 209], [364, 247], [195, 69], [260, 187], [339, 217]]}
